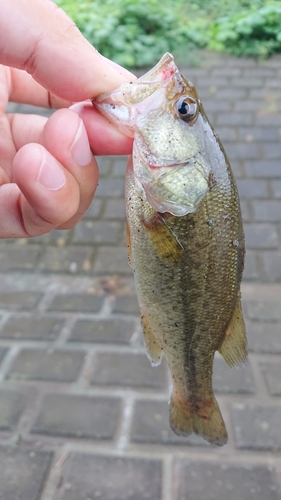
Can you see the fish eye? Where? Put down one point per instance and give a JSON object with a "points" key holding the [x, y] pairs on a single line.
{"points": [[186, 108]]}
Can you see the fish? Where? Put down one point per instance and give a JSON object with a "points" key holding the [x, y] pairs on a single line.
{"points": [[185, 239]]}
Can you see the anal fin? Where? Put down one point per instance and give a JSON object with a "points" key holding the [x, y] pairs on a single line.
{"points": [[234, 346], [153, 349]]}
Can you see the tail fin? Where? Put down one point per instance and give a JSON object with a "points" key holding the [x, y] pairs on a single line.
{"points": [[209, 424]]}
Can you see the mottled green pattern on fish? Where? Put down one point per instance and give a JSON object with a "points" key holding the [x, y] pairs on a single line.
{"points": [[187, 267]]}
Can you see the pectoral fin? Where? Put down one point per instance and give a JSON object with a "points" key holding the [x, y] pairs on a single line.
{"points": [[153, 349], [234, 346], [165, 242]]}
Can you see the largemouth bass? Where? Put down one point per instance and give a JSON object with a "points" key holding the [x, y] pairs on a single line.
{"points": [[185, 239]]}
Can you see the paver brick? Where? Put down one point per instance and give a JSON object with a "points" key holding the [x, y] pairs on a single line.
{"points": [[232, 381], [119, 167], [46, 364], [276, 188], [128, 370], [23, 473], [246, 106], [237, 168], [272, 265], [267, 210], [151, 425], [226, 133], [263, 168], [245, 210], [99, 232], [84, 302], [213, 105], [269, 119], [272, 374], [97, 247], [3, 352], [233, 119], [31, 328], [113, 188], [20, 301], [113, 260], [12, 404], [111, 478], [58, 237], [252, 270], [258, 310], [77, 416], [248, 81], [105, 165], [125, 304], [110, 330], [114, 209], [241, 150], [233, 95], [264, 337], [94, 211], [221, 481], [261, 236], [73, 259], [262, 93], [260, 134], [214, 81], [226, 71], [272, 150], [18, 257], [253, 188], [260, 71], [257, 427]]}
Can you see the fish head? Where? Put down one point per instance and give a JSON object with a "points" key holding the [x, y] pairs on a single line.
{"points": [[164, 114]]}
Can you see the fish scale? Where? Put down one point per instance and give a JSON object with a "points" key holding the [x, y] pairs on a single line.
{"points": [[186, 246]]}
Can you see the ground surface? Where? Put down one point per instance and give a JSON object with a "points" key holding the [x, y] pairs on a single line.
{"points": [[83, 416]]}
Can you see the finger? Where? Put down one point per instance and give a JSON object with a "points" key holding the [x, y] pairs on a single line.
{"points": [[44, 195], [104, 137], [55, 190], [48, 45], [26, 128], [73, 151], [24, 89]]}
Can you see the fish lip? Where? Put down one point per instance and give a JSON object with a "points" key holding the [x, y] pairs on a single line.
{"points": [[173, 165]]}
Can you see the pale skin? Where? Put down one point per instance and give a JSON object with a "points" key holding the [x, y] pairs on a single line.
{"points": [[48, 173]]}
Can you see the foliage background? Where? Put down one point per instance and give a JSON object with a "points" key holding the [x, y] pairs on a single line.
{"points": [[136, 33]]}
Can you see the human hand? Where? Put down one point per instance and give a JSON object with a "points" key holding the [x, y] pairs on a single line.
{"points": [[48, 174]]}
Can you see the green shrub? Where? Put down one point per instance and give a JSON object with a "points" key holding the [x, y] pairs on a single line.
{"points": [[136, 33], [253, 33]]}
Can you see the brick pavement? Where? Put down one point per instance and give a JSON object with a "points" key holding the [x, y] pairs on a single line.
{"points": [[82, 413]]}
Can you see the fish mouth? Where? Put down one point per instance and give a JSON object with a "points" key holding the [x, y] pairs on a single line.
{"points": [[171, 165]]}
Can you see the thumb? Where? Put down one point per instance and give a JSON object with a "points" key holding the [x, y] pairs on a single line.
{"points": [[40, 38]]}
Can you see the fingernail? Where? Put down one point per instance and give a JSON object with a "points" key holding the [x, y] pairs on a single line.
{"points": [[51, 175], [80, 149], [119, 68], [79, 106]]}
